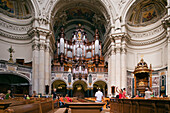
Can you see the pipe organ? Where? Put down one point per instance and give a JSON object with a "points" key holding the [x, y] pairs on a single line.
{"points": [[78, 55]]}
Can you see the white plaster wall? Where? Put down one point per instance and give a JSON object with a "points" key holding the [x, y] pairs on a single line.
{"points": [[22, 51], [155, 55]]}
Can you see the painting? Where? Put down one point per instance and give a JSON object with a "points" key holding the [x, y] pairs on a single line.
{"points": [[148, 13], [7, 5]]}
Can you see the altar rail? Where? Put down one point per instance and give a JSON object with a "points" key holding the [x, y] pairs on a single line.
{"points": [[139, 106]]}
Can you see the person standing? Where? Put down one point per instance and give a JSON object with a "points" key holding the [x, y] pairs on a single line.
{"points": [[99, 96], [124, 93], [148, 94], [54, 93]]}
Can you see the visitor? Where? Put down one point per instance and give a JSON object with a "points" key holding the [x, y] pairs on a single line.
{"points": [[67, 98], [148, 94], [124, 93], [1, 96], [61, 101], [8, 95], [25, 96], [54, 93], [28, 98], [34, 94], [120, 92], [99, 97], [107, 104]]}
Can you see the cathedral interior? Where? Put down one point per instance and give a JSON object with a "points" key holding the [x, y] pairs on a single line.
{"points": [[80, 46]]}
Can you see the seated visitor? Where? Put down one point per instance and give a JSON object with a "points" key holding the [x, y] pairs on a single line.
{"points": [[8, 95], [107, 104], [25, 96], [61, 101], [28, 97], [1, 96], [34, 94]]}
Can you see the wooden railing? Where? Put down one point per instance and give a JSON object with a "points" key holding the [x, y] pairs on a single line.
{"points": [[140, 106]]}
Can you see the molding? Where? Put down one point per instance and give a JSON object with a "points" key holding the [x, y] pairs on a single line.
{"points": [[14, 36], [18, 29], [147, 34], [149, 41]]}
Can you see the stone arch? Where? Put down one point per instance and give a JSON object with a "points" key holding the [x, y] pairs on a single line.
{"points": [[36, 8], [106, 4], [59, 79], [102, 85], [17, 83], [80, 88], [60, 85], [126, 9], [20, 75], [106, 8]]}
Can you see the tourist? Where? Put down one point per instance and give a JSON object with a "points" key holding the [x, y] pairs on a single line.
{"points": [[61, 101], [99, 96], [107, 104], [124, 93], [148, 94], [67, 98], [54, 93], [120, 92], [8, 95], [28, 98], [25, 96], [34, 94]]}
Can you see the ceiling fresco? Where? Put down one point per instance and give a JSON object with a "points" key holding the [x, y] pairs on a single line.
{"points": [[146, 12]]}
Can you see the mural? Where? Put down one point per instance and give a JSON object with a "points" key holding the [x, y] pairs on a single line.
{"points": [[7, 5], [80, 13], [148, 13], [145, 12]]}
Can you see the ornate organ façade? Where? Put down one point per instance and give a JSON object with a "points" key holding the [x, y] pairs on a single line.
{"points": [[78, 55]]}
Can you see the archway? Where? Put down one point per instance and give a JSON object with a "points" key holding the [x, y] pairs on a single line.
{"points": [[61, 87], [100, 85], [15, 83], [80, 89]]}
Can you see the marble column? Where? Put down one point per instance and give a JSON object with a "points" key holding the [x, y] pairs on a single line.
{"points": [[109, 75], [123, 69], [113, 67], [47, 64], [42, 38], [118, 71], [35, 63]]}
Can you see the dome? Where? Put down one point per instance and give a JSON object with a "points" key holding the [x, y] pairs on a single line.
{"points": [[146, 12], [20, 9]]}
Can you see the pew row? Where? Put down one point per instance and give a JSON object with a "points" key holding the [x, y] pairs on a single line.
{"points": [[139, 106]]}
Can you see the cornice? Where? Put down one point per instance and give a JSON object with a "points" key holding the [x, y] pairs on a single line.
{"points": [[14, 36], [149, 41]]}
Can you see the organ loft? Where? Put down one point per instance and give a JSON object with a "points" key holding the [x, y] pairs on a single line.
{"points": [[78, 55]]}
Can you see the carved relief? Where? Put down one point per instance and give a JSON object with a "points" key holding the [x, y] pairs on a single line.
{"points": [[15, 27]]}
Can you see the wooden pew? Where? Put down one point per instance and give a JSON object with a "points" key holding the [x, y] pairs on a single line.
{"points": [[27, 108], [61, 110], [140, 106]]}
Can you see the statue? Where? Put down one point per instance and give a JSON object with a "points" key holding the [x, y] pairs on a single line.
{"points": [[11, 50]]}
